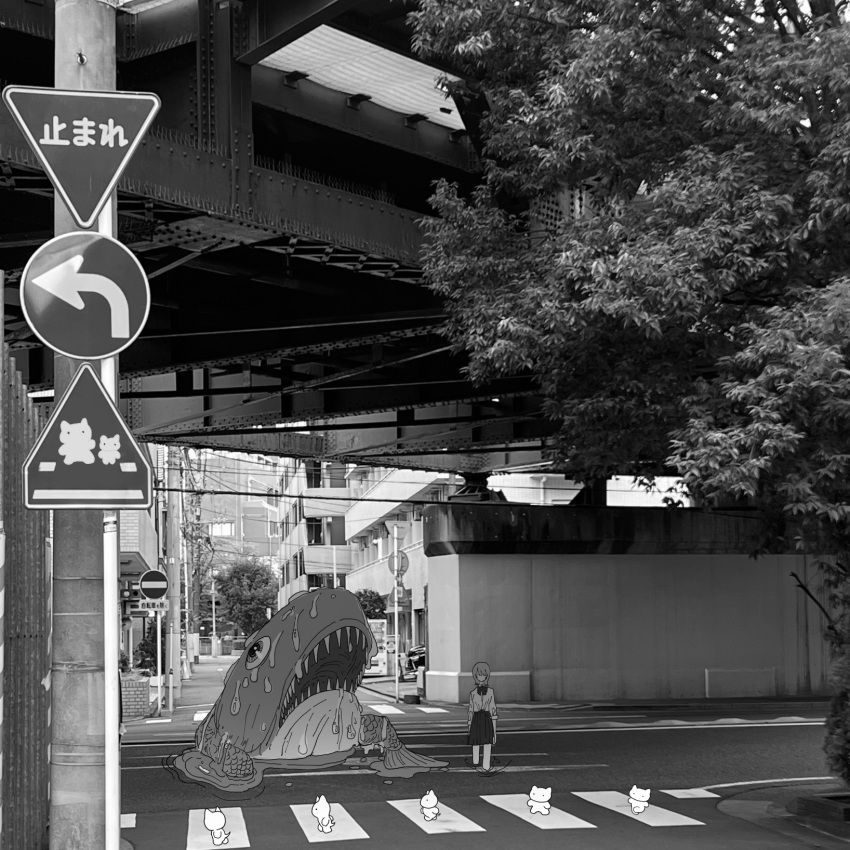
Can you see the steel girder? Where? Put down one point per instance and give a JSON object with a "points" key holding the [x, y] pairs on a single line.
{"points": [[269, 25]]}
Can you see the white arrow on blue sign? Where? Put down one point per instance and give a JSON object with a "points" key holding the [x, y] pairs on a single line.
{"points": [[85, 295]]}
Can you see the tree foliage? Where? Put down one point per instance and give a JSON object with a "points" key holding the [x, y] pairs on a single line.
{"points": [[372, 603], [693, 315], [246, 589]]}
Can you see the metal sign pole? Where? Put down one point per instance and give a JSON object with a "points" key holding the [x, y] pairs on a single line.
{"points": [[158, 663], [395, 598], [111, 635]]}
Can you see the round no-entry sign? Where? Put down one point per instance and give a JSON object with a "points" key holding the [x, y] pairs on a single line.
{"points": [[85, 295], [153, 584]]}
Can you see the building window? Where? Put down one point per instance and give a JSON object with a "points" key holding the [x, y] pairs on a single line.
{"points": [[221, 529], [313, 470], [315, 531]]}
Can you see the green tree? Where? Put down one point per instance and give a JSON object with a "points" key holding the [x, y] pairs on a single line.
{"points": [[246, 589], [659, 242], [372, 603]]}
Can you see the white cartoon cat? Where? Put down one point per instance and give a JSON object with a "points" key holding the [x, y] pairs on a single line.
{"points": [[76, 441], [214, 821], [322, 813], [428, 806], [109, 449], [639, 799], [538, 802]]}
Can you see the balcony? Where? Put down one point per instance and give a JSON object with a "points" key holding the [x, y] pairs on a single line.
{"points": [[326, 501], [387, 495]]}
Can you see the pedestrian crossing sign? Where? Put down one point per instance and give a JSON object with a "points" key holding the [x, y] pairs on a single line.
{"points": [[86, 457]]}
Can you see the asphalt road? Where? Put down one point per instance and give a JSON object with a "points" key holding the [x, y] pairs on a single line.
{"points": [[563, 750]]}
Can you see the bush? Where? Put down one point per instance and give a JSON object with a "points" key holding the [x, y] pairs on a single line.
{"points": [[145, 655], [837, 740]]}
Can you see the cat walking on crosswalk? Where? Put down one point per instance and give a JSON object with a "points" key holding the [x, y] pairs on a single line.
{"points": [[214, 821], [428, 806], [322, 813]]}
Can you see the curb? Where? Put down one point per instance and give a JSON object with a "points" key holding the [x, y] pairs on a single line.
{"points": [[814, 705]]}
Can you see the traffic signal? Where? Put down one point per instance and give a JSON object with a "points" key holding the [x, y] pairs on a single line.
{"points": [[129, 593]]}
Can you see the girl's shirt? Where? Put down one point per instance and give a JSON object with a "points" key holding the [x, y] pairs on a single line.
{"points": [[482, 703]]}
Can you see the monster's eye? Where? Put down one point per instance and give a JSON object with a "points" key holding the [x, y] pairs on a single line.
{"points": [[257, 652]]}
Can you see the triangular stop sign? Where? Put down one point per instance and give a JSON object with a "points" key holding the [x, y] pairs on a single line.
{"points": [[86, 457], [84, 139]]}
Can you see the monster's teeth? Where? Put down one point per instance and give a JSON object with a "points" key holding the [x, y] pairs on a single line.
{"points": [[338, 634], [328, 685], [316, 653], [328, 644], [348, 637]]}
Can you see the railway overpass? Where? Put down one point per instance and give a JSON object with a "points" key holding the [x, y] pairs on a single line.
{"points": [[275, 207]]}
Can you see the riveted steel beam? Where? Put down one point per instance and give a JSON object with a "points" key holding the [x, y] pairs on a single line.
{"points": [[156, 28], [289, 445], [271, 24], [32, 18]]}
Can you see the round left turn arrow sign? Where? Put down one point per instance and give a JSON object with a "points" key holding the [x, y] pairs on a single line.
{"points": [[85, 295]]}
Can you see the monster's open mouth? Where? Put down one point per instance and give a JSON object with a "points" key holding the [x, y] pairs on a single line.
{"points": [[336, 661]]}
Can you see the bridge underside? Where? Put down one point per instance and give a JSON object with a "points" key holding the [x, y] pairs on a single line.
{"points": [[277, 219]]}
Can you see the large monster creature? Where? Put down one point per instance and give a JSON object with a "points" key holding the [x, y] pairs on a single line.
{"points": [[289, 701]]}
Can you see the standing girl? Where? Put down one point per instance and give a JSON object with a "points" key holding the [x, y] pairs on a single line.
{"points": [[482, 714]]}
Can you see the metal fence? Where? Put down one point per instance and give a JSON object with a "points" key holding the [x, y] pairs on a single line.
{"points": [[25, 628]]}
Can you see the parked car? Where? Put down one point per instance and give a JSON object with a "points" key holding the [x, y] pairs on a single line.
{"points": [[416, 656]]}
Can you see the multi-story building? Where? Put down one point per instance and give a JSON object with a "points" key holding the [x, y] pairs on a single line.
{"points": [[315, 498], [243, 516]]}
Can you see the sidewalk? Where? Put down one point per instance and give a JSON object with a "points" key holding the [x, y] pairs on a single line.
{"points": [[777, 808], [206, 683]]}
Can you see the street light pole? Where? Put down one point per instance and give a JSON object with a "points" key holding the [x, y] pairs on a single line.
{"points": [[214, 574], [395, 600]]}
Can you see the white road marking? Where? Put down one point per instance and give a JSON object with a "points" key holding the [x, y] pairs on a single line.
{"points": [[652, 815], [200, 838], [199, 716], [690, 793], [447, 821], [517, 804], [773, 781], [128, 821], [345, 828], [385, 709], [430, 709], [159, 720]]}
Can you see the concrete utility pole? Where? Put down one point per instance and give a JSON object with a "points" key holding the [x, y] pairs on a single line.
{"points": [[172, 553], [80, 751]]}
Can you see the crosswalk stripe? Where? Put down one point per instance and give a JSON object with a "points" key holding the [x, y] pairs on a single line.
{"points": [[447, 821], [199, 716], [383, 708], [345, 827], [431, 709], [128, 821], [517, 804], [200, 838], [690, 793], [651, 816]]}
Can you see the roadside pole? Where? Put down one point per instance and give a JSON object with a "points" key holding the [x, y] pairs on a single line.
{"points": [[159, 674], [172, 615], [395, 604], [84, 810]]}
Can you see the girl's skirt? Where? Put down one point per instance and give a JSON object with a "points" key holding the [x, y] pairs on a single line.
{"points": [[481, 729]]}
